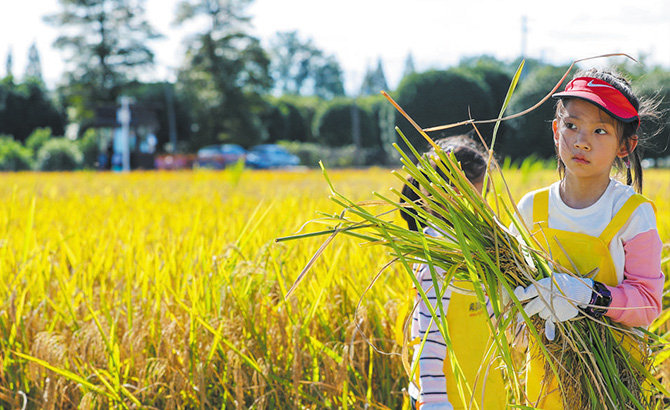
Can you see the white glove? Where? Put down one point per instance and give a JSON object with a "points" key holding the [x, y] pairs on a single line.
{"points": [[557, 300], [504, 294]]}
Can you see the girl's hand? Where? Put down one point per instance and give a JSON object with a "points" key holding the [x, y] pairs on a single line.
{"points": [[556, 300]]}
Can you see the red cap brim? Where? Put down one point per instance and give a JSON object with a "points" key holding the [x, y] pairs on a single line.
{"points": [[602, 94]]}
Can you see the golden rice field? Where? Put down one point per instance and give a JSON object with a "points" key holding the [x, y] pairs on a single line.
{"points": [[165, 291]]}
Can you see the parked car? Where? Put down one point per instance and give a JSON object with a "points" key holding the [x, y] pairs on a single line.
{"points": [[219, 156], [270, 156]]}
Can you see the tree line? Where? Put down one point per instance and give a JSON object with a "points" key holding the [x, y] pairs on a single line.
{"points": [[229, 88]]}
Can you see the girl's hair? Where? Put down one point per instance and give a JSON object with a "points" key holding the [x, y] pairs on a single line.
{"points": [[647, 110], [473, 163]]}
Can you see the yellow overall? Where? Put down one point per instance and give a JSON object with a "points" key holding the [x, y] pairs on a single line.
{"points": [[471, 338], [586, 253]]}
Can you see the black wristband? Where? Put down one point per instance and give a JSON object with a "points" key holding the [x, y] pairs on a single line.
{"points": [[601, 298]]}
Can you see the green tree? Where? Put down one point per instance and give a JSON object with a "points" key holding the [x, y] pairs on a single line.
{"points": [[290, 61], [9, 64], [374, 81], [163, 99], [409, 65], [106, 43], [328, 79], [440, 97], [225, 74], [88, 145], [13, 155], [285, 121], [498, 76], [531, 133], [38, 138], [299, 67], [34, 66], [27, 106], [59, 154], [335, 121], [655, 86], [383, 134]]}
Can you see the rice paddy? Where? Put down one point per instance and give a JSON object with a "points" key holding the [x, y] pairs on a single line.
{"points": [[166, 291]]}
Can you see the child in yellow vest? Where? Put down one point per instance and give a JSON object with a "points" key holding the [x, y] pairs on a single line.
{"points": [[435, 387], [595, 219]]}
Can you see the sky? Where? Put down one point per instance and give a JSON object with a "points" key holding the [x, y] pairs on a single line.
{"points": [[438, 33]]}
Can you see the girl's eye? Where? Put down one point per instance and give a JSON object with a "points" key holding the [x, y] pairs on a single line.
{"points": [[570, 126], [601, 131]]}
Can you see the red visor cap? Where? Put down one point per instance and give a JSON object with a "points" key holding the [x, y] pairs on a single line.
{"points": [[602, 94]]}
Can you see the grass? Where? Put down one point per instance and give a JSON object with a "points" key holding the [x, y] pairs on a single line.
{"points": [[165, 290]]}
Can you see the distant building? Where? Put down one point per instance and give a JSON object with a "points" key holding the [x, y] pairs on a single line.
{"points": [[141, 142]]}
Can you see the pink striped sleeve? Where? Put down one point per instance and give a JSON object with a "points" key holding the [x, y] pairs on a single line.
{"points": [[642, 288]]}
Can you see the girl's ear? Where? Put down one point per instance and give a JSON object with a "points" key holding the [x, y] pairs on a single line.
{"points": [[554, 129], [627, 150]]}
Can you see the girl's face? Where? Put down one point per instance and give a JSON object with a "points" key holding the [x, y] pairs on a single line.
{"points": [[587, 141]]}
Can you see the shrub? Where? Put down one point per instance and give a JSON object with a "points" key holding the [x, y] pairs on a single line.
{"points": [[88, 145], [13, 155], [37, 138], [531, 133], [335, 157], [285, 121], [27, 106], [441, 97], [59, 154], [334, 124]]}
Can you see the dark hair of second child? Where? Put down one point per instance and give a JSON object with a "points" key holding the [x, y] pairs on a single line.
{"points": [[472, 160]]}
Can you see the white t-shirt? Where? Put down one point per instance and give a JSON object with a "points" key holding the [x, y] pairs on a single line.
{"points": [[594, 219]]}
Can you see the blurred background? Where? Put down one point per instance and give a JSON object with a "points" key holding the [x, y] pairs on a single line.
{"points": [[166, 289], [127, 84]]}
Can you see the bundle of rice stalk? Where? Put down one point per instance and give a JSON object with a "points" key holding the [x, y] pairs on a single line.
{"points": [[594, 370]]}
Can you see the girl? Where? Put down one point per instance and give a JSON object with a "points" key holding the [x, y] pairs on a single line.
{"points": [[466, 318], [602, 224]]}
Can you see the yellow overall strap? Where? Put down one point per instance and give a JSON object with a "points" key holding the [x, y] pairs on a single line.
{"points": [[622, 216], [541, 208]]}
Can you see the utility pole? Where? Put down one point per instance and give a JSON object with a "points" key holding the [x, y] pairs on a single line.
{"points": [[172, 121], [123, 116]]}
